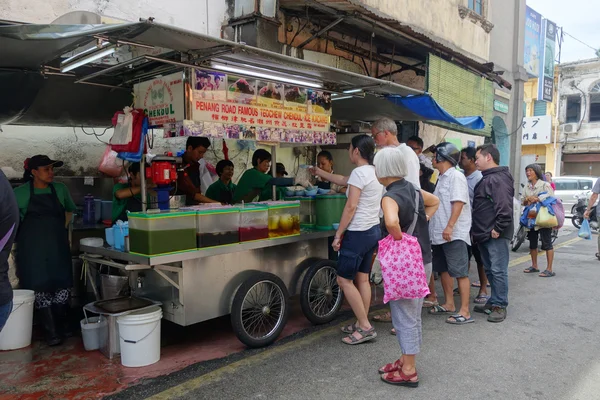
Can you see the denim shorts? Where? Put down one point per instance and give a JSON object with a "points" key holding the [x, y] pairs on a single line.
{"points": [[451, 257], [356, 252], [5, 311]]}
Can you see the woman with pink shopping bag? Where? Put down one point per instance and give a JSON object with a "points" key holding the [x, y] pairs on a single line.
{"points": [[404, 255]]}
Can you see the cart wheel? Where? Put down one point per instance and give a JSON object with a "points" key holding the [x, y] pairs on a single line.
{"points": [[321, 296], [518, 239], [260, 310]]}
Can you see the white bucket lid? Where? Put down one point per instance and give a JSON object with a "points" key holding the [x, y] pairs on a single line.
{"points": [[21, 296], [150, 314]]}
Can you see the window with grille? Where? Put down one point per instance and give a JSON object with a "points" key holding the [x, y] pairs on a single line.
{"points": [[595, 103], [477, 6], [573, 109]]}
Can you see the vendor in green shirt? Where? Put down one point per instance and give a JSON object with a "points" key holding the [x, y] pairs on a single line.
{"points": [[127, 196], [280, 172], [255, 183], [222, 190]]}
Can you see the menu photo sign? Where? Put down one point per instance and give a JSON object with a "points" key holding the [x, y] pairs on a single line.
{"points": [[232, 107]]}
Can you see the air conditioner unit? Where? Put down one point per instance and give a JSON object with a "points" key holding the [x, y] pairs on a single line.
{"points": [[570, 129]]}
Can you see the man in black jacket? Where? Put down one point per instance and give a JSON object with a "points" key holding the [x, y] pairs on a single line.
{"points": [[493, 227], [9, 220]]}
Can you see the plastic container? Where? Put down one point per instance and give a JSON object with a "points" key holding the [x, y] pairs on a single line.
{"points": [[311, 193], [162, 232], [329, 209], [284, 218], [98, 210], [110, 238], [254, 222], [300, 193], [120, 232], [94, 333], [308, 216], [217, 226], [92, 242], [17, 331], [89, 213], [323, 191], [139, 337], [106, 214]]}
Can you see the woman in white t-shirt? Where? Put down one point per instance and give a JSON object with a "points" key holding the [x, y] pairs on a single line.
{"points": [[358, 235]]}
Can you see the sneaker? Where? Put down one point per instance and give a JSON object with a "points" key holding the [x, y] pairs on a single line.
{"points": [[483, 308], [498, 314]]}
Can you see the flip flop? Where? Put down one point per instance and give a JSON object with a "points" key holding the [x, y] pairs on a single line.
{"points": [[481, 299], [439, 310], [478, 284], [384, 317], [459, 320], [531, 270], [547, 274], [365, 336]]}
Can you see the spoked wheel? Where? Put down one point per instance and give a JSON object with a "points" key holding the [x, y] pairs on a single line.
{"points": [[321, 296], [577, 220], [554, 235], [518, 239], [260, 310]]}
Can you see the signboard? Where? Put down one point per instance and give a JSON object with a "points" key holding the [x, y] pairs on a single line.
{"points": [[500, 106], [536, 130], [546, 74], [533, 53], [162, 99], [231, 107]]}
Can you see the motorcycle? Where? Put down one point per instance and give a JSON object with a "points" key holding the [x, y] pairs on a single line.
{"points": [[579, 210], [521, 234]]}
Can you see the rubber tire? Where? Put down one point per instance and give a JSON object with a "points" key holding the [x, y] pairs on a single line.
{"points": [[236, 310], [518, 239], [554, 236], [576, 220], [308, 313]]}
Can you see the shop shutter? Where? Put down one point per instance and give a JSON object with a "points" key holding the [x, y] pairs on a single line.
{"points": [[539, 108]]}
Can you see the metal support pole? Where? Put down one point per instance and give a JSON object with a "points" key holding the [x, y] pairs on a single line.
{"points": [[274, 169], [143, 181]]}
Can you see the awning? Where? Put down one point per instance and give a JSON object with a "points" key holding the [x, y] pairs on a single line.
{"points": [[90, 94]]}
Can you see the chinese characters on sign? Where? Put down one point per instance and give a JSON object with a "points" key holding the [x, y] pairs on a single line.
{"points": [[536, 130], [546, 76]]}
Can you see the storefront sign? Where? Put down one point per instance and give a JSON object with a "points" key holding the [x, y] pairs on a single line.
{"points": [[546, 73], [500, 106], [162, 99], [536, 130], [533, 53]]}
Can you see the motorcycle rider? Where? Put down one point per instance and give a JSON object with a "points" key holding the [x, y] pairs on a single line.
{"points": [[592, 203]]}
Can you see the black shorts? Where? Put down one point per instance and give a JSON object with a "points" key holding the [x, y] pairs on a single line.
{"points": [[356, 252], [451, 257], [546, 235], [473, 251]]}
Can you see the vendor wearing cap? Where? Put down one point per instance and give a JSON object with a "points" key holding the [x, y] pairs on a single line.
{"points": [[127, 196], [43, 253], [222, 190], [256, 183], [188, 180]]}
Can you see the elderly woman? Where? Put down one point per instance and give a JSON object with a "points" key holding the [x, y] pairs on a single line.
{"points": [[358, 235], [399, 211], [536, 187]]}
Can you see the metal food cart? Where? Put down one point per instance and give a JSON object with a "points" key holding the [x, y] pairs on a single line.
{"points": [[250, 281]]}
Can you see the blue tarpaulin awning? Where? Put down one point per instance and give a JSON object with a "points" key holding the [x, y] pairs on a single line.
{"points": [[426, 107]]}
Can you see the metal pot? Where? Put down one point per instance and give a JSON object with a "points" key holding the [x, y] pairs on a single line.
{"points": [[174, 203]]}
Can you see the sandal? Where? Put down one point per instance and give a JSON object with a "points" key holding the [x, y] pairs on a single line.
{"points": [[393, 331], [531, 270], [478, 284], [429, 304], [481, 299], [440, 310], [391, 367], [365, 336], [385, 317], [459, 320], [349, 329], [401, 379], [547, 274], [456, 292]]}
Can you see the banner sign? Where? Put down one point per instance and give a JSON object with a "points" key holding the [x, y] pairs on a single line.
{"points": [[546, 73], [162, 99], [537, 130], [231, 107], [533, 53]]}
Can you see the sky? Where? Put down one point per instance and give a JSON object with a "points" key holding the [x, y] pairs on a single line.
{"points": [[579, 18]]}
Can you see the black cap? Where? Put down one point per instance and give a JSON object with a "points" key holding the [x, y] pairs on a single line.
{"points": [[280, 169], [41, 161]]}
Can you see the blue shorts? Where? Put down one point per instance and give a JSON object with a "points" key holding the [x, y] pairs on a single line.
{"points": [[356, 252]]}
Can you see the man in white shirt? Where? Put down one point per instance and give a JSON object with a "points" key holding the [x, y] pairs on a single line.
{"points": [[449, 229]]}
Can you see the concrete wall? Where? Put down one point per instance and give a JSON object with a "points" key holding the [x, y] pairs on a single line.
{"points": [[438, 19]]}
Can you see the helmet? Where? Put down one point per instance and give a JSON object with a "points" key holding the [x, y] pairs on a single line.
{"points": [[447, 152]]}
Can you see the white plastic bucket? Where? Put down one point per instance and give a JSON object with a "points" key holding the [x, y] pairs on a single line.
{"points": [[94, 333], [139, 337], [17, 331]]}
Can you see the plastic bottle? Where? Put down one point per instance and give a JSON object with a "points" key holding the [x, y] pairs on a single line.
{"points": [[89, 213]]}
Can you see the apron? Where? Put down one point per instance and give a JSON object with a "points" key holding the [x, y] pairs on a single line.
{"points": [[133, 205], [324, 185], [43, 252]]}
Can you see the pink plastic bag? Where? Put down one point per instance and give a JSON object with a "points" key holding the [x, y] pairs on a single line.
{"points": [[559, 211], [110, 165], [402, 268]]}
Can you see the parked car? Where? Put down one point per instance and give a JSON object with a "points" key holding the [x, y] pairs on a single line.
{"points": [[570, 185]]}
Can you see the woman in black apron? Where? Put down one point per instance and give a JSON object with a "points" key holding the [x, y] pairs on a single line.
{"points": [[43, 250], [325, 162], [127, 196]]}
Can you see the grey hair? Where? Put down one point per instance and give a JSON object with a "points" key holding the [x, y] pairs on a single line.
{"points": [[389, 162], [386, 124]]}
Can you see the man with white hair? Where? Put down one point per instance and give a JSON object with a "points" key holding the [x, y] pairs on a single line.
{"points": [[385, 134]]}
